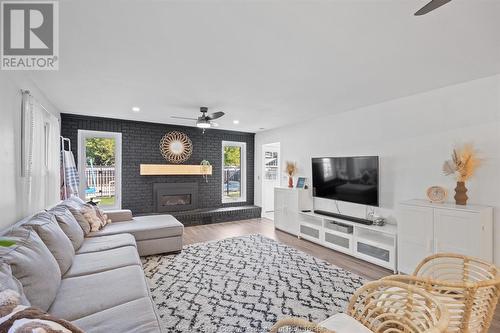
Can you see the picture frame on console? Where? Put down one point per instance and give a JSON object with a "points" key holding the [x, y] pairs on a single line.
{"points": [[301, 182]]}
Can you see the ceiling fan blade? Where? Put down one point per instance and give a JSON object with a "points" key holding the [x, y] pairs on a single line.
{"points": [[183, 118], [434, 4], [215, 115]]}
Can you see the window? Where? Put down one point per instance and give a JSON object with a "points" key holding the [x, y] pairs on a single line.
{"points": [[233, 171], [99, 164]]}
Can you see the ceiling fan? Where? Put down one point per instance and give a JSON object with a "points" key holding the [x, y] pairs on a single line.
{"points": [[434, 4], [204, 121]]}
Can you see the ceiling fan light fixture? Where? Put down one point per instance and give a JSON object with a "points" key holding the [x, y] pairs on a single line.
{"points": [[203, 123]]}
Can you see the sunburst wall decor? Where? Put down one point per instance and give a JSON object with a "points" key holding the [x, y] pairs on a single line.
{"points": [[176, 147]]}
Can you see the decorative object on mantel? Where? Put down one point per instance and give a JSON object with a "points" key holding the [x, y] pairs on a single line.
{"points": [[207, 168], [437, 194], [176, 147], [291, 170], [174, 169], [464, 161]]}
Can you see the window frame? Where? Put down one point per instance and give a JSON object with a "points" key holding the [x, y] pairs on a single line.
{"points": [[82, 160], [243, 171]]}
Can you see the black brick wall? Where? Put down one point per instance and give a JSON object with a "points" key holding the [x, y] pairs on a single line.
{"points": [[140, 144]]}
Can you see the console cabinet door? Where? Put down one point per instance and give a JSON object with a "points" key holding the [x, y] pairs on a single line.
{"points": [[286, 210], [415, 236], [457, 232]]}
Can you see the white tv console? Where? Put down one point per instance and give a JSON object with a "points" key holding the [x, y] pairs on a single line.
{"points": [[375, 244]]}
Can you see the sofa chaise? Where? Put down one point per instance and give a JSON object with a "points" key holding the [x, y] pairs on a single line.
{"points": [[96, 280], [154, 233]]}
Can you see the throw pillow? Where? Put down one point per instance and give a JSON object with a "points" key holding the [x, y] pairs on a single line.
{"points": [[9, 282], [90, 215], [16, 318], [76, 209], [46, 226], [69, 225], [33, 265], [102, 216]]}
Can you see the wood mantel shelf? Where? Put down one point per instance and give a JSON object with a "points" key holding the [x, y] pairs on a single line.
{"points": [[174, 169]]}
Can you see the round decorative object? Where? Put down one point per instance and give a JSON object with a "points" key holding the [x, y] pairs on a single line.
{"points": [[176, 147], [437, 194]]}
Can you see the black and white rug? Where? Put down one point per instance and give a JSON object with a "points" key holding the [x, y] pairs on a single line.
{"points": [[244, 284]]}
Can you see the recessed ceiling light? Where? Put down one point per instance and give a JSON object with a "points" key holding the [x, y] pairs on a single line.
{"points": [[136, 109], [236, 122]]}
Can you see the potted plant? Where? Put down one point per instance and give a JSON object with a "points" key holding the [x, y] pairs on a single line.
{"points": [[205, 168], [464, 162], [291, 170]]}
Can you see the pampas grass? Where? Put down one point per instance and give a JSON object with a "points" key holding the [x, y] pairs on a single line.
{"points": [[291, 168], [464, 162]]}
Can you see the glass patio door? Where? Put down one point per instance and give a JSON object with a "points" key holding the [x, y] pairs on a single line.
{"points": [[99, 165]]}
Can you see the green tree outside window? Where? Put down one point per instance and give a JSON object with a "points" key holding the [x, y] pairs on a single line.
{"points": [[101, 151], [232, 156]]}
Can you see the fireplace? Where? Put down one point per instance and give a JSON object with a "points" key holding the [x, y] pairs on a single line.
{"points": [[174, 197]]}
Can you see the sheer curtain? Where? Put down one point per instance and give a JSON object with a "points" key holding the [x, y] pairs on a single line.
{"points": [[41, 155]]}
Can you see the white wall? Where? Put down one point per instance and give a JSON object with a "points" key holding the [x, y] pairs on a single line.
{"points": [[413, 136], [11, 195]]}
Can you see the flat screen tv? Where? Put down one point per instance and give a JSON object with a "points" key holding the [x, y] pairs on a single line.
{"points": [[351, 179]]}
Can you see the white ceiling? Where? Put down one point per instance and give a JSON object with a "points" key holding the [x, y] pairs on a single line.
{"points": [[265, 63]]}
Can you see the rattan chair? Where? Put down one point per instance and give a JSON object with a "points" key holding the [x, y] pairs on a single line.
{"points": [[384, 306], [469, 287]]}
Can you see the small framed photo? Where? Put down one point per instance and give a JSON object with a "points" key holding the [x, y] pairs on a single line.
{"points": [[301, 181]]}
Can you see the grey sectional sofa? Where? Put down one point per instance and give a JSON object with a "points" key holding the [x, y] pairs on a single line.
{"points": [[104, 289]]}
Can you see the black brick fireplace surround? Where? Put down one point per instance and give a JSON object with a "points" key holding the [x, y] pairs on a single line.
{"points": [[140, 144]]}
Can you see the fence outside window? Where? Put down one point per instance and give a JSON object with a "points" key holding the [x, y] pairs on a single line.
{"points": [[100, 182]]}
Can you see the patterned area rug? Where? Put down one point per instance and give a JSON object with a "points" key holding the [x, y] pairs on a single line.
{"points": [[244, 284]]}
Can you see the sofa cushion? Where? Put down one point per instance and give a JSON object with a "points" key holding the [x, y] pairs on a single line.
{"points": [[76, 199], [76, 209], [145, 227], [8, 281], [84, 295], [96, 262], [118, 319], [96, 244], [46, 226], [342, 323], [33, 265], [69, 225]]}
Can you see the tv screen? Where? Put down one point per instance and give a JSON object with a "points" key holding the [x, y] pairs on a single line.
{"points": [[351, 179]]}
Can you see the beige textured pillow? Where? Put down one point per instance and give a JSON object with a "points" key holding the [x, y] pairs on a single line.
{"points": [[102, 216], [18, 318], [90, 215], [33, 265], [46, 226], [9, 282]]}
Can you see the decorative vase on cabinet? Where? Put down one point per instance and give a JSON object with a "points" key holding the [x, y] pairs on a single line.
{"points": [[461, 194]]}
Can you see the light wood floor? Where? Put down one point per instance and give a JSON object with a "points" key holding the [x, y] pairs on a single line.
{"points": [[265, 227]]}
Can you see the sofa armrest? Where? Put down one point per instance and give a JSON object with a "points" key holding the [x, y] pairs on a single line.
{"points": [[119, 215]]}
